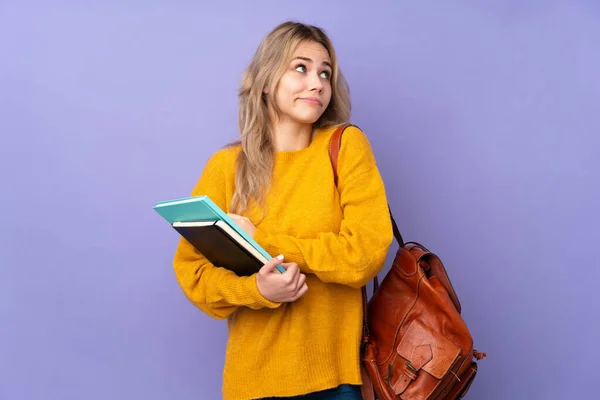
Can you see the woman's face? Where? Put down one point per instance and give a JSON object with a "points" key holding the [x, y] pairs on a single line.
{"points": [[304, 91]]}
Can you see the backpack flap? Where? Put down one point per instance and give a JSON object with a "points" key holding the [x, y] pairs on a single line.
{"points": [[421, 349]]}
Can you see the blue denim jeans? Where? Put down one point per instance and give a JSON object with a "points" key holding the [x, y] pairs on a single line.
{"points": [[342, 392]]}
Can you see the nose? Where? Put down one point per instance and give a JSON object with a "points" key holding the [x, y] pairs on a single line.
{"points": [[315, 83]]}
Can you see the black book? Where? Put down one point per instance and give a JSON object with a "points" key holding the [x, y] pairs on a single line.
{"points": [[222, 245]]}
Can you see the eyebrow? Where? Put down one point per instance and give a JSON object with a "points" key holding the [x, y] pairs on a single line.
{"points": [[309, 60]]}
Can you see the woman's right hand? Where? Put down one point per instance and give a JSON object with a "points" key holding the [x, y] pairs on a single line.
{"points": [[281, 287]]}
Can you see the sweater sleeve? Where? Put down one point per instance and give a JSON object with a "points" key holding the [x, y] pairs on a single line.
{"points": [[355, 254], [216, 291]]}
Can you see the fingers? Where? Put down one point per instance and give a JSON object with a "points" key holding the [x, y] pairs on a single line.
{"points": [[291, 276], [301, 281], [298, 284], [234, 217], [286, 287], [243, 222], [292, 272], [300, 293], [271, 264], [238, 219]]}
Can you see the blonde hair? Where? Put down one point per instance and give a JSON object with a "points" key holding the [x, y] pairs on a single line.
{"points": [[255, 161]]}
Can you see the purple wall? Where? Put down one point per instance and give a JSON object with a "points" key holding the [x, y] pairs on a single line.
{"points": [[484, 116]]}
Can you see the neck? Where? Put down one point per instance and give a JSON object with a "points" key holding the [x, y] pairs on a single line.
{"points": [[291, 136]]}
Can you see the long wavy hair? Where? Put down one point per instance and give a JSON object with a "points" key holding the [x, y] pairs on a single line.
{"points": [[254, 165]]}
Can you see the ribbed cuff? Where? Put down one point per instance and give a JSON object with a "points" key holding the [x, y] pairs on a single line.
{"points": [[250, 287]]}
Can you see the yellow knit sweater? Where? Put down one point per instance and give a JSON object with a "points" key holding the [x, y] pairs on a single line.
{"points": [[338, 236]]}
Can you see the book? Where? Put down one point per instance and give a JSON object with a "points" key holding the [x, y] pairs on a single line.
{"points": [[182, 213], [222, 245], [196, 208]]}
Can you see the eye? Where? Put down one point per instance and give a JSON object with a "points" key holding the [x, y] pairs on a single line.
{"points": [[325, 74], [301, 68]]}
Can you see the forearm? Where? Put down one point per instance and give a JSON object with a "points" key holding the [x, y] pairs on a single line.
{"points": [[354, 254], [216, 291], [349, 258]]}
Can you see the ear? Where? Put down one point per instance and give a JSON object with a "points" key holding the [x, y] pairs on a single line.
{"points": [[266, 91]]}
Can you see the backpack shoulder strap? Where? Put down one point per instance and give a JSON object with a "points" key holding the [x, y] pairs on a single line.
{"points": [[335, 145]]}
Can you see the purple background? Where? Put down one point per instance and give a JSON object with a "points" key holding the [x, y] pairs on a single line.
{"points": [[484, 117]]}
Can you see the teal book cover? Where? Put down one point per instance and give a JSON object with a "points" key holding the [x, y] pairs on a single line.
{"points": [[202, 208], [197, 208]]}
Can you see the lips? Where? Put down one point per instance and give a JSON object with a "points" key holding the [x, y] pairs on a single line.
{"points": [[311, 100]]}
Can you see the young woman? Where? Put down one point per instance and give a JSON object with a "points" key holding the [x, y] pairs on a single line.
{"points": [[294, 333]]}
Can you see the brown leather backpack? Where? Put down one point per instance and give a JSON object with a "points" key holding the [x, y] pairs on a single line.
{"points": [[415, 343]]}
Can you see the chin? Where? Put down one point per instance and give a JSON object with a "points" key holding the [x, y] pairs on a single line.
{"points": [[308, 119]]}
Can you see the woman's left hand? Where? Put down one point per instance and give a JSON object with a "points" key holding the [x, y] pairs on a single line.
{"points": [[244, 223]]}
